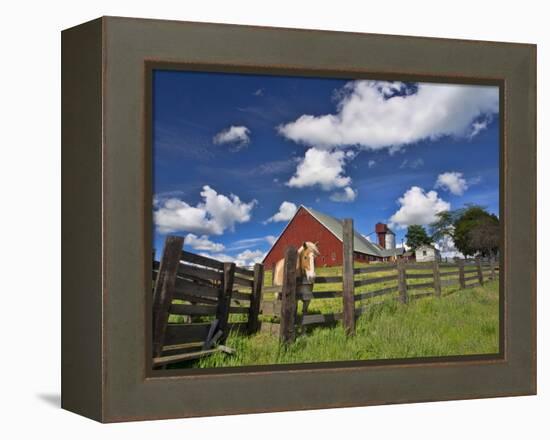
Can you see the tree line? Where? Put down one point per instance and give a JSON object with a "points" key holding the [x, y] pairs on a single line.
{"points": [[472, 228]]}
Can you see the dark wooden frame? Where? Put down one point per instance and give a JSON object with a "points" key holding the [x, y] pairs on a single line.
{"points": [[106, 215]]}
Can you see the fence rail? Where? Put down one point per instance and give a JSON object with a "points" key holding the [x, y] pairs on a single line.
{"points": [[399, 281], [198, 300]]}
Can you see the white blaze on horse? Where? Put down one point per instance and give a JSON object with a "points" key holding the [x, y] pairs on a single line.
{"points": [[305, 267]]}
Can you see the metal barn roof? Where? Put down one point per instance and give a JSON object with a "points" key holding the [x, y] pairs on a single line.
{"points": [[360, 243]]}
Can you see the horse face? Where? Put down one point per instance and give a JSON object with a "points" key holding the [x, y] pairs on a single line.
{"points": [[307, 261]]}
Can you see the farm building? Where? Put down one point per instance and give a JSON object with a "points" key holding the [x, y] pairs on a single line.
{"points": [[310, 225], [427, 253]]}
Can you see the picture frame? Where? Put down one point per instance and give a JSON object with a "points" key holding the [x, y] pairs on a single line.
{"points": [[107, 219]]}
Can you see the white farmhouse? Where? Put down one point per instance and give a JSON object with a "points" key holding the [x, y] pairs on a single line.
{"points": [[427, 253]]}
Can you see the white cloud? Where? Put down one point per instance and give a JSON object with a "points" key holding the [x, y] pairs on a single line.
{"points": [[213, 215], [244, 259], [249, 257], [271, 239], [347, 195], [285, 213], [418, 208], [372, 163], [321, 167], [452, 181], [402, 246], [248, 242], [259, 92], [371, 115], [238, 136], [477, 127], [203, 243]]}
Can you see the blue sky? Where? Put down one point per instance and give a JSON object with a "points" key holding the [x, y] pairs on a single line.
{"points": [[235, 154]]}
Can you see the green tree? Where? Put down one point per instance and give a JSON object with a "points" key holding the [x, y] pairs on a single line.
{"points": [[476, 231], [417, 236], [485, 236], [444, 225], [472, 228], [469, 228]]}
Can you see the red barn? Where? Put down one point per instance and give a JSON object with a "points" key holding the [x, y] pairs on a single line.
{"points": [[310, 225]]}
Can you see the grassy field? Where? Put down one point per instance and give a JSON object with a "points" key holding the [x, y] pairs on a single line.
{"points": [[459, 323]]}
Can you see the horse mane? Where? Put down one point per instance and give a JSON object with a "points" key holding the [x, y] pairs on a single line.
{"points": [[310, 245]]}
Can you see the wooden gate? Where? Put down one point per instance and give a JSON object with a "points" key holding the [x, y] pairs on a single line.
{"points": [[198, 301]]}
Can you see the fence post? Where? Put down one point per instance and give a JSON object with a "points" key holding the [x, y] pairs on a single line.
{"points": [[164, 290], [492, 266], [402, 281], [348, 288], [288, 297], [437, 278], [256, 298], [461, 274], [224, 299], [479, 271]]}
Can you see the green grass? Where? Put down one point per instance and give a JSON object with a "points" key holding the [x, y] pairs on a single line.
{"points": [[464, 322]]}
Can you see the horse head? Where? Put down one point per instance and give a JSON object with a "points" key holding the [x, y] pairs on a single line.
{"points": [[306, 259]]}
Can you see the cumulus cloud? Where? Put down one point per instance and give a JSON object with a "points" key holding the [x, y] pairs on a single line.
{"points": [[243, 259], [376, 115], [418, 208], [236, 135], [452, 181], [285, 213], [321, 167], [213, 215], [347, 195], [372, 163], [249, 257], [203, 243]]}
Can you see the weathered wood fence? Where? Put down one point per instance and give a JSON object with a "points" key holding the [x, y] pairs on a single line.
{"points": [[197, 301], [400, 281]]}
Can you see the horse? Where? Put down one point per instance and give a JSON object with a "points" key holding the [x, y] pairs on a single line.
{"points": [[305, 266]]}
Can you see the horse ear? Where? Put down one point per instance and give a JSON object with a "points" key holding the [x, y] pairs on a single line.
{"points": [[305, 245]]}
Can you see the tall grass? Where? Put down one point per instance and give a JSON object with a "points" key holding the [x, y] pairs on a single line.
{"points": [[461, 323]]}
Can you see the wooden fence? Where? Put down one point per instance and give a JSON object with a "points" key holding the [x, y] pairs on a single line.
{"points": [[197, 301], [400, 281]]}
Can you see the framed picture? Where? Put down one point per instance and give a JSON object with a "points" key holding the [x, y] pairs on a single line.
{"points": [[341, 219]]}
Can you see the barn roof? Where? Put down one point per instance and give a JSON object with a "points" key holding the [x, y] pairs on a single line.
{"points": [[360, 243]]}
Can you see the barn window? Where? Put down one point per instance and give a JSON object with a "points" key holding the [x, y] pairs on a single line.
{"points": [[424, 253], [333, 256]]}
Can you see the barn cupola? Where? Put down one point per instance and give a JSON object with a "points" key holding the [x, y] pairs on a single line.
{"points": [[386, 237]]}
